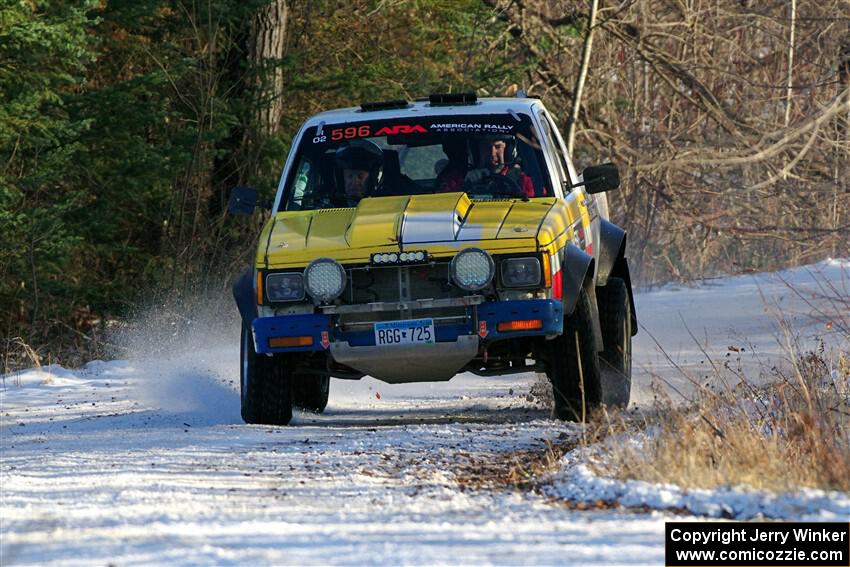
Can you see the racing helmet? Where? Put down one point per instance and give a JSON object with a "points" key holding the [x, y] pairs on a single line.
{"points": [[361, 155], [364, 155], [483, 142]]}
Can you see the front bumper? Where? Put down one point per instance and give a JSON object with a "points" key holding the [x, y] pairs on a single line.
{"points": [[482, 321]]}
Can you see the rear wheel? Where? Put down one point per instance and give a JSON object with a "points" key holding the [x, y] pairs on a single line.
{"points": [[310, 392], [573, 366], [615, 318], [266, 385]]}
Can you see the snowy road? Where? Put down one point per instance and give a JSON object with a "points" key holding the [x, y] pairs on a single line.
{"points": [[146, 461]]}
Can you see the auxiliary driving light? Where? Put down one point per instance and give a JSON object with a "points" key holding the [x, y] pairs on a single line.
{"points": [[394, 258], [472, 269], [324, 279]]}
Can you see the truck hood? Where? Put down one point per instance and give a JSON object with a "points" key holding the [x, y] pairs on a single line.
{"points": [[443, 221]]}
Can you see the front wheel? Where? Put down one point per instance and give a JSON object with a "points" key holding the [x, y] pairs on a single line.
{"points": [[265, 384], [573, 365]]}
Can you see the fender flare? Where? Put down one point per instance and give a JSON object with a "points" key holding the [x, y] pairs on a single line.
{"points": [[244, 295], [577, 272], [612, 247]]}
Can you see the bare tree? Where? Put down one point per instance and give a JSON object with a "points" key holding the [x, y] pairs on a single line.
{"points": [[729, 118], [586, 48]]}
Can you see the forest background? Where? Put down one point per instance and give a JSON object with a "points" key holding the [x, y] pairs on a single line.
{"points": [[125, 123]]}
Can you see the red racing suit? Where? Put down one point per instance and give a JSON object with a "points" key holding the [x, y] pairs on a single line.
{"points": [[452, 178]]}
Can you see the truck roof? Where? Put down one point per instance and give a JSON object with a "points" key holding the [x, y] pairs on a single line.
{"points": [[495, 105]]}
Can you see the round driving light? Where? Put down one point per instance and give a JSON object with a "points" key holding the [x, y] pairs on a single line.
{"points": [[404, 257], [324, 279], [472, 269], [393, 257], [419, 256], [385, 257]]}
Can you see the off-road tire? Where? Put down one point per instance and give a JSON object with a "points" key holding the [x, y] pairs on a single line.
{"points": [[265, 384], [310, 392], [576, 393], [615, 318]]}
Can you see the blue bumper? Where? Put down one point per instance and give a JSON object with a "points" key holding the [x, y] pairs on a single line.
{"points": [[483, 320]]}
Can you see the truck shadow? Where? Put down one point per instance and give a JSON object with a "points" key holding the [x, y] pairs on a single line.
{"points": [[394, 417]]}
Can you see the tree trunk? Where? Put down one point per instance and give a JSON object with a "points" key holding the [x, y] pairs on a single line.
{"points": [[267, 45]]}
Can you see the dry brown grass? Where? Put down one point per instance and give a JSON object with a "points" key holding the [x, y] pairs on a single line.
{"points": [[793, 432], [18, 354], [516, 469]]}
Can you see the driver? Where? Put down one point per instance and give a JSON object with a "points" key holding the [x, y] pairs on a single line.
{"points": [[490, 162], [360, 164]]}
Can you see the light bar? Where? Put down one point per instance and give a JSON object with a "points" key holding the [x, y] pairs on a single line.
{"points": [[394, 258], [383, 105], [448, 99], [284, 342], [527, 325]]}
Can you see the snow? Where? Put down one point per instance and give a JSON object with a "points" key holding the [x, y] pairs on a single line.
{"points": [[710, 331], [577, 482], [146, 461]]}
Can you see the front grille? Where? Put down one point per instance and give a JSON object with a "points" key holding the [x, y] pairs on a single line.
{"points": [[400, 283]]}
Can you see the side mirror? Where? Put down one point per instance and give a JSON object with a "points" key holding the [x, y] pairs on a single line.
{"points": [[243, 201], [601, 178]]}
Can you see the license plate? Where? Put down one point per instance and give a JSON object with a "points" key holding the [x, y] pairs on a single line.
{"points": [[404, 332]]}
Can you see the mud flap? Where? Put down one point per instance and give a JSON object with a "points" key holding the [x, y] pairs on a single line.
{"points": [[612, 247], [612, 261]]}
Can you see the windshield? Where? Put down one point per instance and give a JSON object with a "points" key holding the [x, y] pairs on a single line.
{"points": [[486, 156]]}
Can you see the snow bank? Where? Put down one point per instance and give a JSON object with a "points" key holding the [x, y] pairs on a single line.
{"points": [[57, 375], [576, 482]]}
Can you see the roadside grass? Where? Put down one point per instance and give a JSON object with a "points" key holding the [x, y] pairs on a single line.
{"points": [[794, 432], [790, 431]]}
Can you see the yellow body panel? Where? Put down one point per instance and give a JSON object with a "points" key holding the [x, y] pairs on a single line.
{"points": [[442, 224]]}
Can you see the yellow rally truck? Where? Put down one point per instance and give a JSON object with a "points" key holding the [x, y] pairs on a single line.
{"points": [[412, 241]]}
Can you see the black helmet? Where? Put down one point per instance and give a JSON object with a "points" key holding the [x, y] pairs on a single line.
{"points": [[511, 153], [360, 154]]}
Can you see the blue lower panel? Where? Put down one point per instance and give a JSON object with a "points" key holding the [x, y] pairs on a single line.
{"points": [[490, 314], [550, 311], [266, 328]]}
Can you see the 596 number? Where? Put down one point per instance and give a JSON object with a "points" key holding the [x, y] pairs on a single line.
{"points": [[338, 134]]}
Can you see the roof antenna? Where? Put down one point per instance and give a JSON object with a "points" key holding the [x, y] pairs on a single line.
{"points": [[521, 93]]}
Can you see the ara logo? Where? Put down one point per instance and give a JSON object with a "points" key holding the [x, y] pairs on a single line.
{"points": [[401, 129]]}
